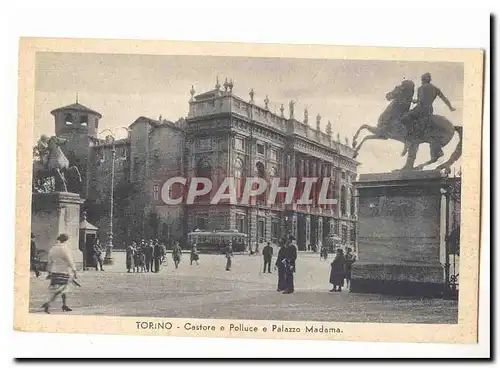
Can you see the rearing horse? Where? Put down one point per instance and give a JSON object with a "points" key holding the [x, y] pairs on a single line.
{"points": [[438, 133], [54, 163]]}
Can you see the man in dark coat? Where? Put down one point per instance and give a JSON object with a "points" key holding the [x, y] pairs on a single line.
{"points": [[148, 252], [289, 260], [281, 267], [267, 253], [157, 254]]}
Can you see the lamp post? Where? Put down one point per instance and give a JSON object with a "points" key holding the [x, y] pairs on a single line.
{"points": [[109, 245]]}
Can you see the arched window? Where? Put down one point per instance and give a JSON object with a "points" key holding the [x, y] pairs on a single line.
{"points": [[84, 120], [68, 119], [343, 200]]}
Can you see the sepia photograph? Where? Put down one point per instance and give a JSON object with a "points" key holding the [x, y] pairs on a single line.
{"points": [[296, 194]]}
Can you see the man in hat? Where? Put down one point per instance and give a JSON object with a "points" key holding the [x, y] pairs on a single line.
{"points": [[267, 252], [59, 265], [34, 256], [418, 118]]}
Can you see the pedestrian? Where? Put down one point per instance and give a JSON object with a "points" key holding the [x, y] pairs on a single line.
{"points": [[148, 252], [324, 253], [98, 255], [229, 256], [34, 256], [130, 254], [337, 272], [163, 253], [176, 254], [59, 265], [290, 256], [157, 256], [257, 248], [281, 267], [267, 253], [350, 258], [194, 255]]}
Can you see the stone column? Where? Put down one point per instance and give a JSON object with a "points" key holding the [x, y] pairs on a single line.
{"points": [[307, 218], [319, 243], [53, 214]]}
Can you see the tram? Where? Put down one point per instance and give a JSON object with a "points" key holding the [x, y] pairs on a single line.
{"points": [[217, 241]]}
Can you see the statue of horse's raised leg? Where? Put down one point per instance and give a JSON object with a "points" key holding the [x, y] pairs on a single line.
{"points": [[364, 126]]}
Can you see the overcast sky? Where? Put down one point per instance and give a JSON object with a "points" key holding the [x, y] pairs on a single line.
{"points": [[348, 93]]}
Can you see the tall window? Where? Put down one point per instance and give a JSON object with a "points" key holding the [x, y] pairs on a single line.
{"points": [[239, 144], [261, 228], [261, 173], [352, 202], [274, 155], [238, 173], [275, 231], [353, 234], [260, 148], [240, 224], [203, 170], [201, 223], [156, 189], [343, 200]]}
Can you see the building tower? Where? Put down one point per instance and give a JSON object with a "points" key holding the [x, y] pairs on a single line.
{"points": [[78, 125]]}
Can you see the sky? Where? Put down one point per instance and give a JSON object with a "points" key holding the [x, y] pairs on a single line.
{"points": [[348, 93]]}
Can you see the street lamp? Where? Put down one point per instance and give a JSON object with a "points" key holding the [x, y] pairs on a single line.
{"points": [[111, 137]]}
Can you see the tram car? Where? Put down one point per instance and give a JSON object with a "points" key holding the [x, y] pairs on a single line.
{"points": [[217, 241]]}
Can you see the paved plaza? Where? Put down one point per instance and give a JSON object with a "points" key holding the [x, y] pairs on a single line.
{"points": [[208, 291]]}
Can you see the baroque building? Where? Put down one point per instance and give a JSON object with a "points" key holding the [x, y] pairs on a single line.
{"points": [[222, 135]]}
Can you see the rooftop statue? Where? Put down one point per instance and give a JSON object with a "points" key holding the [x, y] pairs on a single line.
{"points": [[51, 162], [416, 126]]}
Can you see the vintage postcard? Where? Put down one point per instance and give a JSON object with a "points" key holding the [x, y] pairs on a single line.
{"points": [[248, 190]]}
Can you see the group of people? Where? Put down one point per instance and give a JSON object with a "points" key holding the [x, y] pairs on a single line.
{"points": [[342, 269], [148, 256]]}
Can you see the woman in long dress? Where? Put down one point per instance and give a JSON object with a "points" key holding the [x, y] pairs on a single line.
{"points": [[281, 268], [337, 274], [130, 257]]}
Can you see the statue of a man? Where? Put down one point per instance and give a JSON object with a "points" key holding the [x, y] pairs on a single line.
{"points": [[421, 114], [292, 104]]}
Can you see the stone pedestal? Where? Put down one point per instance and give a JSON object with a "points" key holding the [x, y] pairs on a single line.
{"points": [[399, 234], [53, 214]]}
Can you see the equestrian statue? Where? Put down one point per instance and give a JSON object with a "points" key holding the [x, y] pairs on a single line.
{"points": [[416, 126], [53, 163]]}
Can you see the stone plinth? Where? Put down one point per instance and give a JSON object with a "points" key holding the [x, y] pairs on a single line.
{"points": [[399, 234], [53, 214]]}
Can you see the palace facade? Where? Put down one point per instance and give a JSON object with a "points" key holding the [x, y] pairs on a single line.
{"points": [[222, 135]]}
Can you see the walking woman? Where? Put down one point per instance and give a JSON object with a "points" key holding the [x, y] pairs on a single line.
{"points": [[337, 273], [130, 257]]}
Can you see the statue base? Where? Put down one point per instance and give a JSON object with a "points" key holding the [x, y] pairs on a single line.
{"points": [[53, 214], [400, 236]]}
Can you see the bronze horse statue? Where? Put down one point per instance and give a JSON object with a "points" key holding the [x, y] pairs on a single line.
{"points": [[54, 163], [438, 132]]}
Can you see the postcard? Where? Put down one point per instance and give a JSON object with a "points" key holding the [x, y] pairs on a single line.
{"points": [[248, 190]]}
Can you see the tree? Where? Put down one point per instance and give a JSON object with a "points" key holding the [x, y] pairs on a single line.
{"points": [[43, 182]]}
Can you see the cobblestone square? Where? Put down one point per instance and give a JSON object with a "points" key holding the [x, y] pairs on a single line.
{"points": [[208, 291]]}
